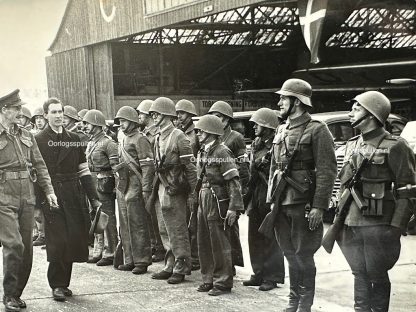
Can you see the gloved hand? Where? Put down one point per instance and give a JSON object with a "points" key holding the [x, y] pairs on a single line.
{"points": [[52, 201], [231, 217]]}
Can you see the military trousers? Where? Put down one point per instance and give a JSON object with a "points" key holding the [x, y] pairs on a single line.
{"points": [[193, 234], [266, 256], [299, 244], [110, 232], [173, 230], [16, 232], [215, 254], [371, 251], [124, 228], [137, 223], [155, 239]]}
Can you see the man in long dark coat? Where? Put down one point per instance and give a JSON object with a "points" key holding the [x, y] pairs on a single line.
{"points": [[66, 229]]}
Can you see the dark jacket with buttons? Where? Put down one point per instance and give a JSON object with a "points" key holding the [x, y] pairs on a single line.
{"points": [[315, 166], [392, 166]]}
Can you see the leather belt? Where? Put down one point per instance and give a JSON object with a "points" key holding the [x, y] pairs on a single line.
{"points": [[15, 175], [62, 177], [297, 165], [104, 174]]}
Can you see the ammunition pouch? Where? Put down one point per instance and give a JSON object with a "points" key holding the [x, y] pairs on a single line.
{"points": [[106, 185], [373, 194]]}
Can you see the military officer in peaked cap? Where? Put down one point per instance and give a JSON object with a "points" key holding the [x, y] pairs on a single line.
{"points": [[21, 164]]}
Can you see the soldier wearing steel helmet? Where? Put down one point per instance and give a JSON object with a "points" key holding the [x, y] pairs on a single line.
{"points": [[70, 117], [370, 239], [265, 255], [235, 142], [185, 110], [176, 174], [102, 159], [220, 201], [150, 130], [298, 226], [25, 118], [135, 176], [38, 119]]}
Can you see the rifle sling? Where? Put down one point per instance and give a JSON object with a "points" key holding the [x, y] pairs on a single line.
{"points": [[131, 162]]}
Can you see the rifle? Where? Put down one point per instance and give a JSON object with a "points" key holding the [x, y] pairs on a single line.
{"points": [[118, 254], [198, 186], [350, 193], [151, 201], [267, 226]]}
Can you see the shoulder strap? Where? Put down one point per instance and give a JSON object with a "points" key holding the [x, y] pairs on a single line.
{"points": [[133, 165]]}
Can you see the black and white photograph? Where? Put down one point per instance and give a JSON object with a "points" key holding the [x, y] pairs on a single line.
{"points": [[208, 155]]}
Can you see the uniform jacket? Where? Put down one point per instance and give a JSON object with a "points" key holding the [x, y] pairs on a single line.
{"points": [[235, 142], [314, 168], [9, 160], [176, 147], [259, 175], [189, 130], [67, 229], [102, 153], [139, 148], [222, 174], [150, 133], [392, 166]]}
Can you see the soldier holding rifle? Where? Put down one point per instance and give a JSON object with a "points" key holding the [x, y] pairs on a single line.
{"points": [[374, 207], [303, 162]]}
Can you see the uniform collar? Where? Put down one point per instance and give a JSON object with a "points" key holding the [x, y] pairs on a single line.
{"points": [[132, 132], [167, 129], [268, 142], [189, 127], [98, 136], [373, 134], [3, 129], [298, 121]]}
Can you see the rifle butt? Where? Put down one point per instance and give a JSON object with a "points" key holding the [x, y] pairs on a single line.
{"points": [[267, 226]]}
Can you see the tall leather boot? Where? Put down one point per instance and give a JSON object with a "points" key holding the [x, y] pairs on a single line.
{"points": [[380, 298], [362, 294], [294, 291], [306, 293]]}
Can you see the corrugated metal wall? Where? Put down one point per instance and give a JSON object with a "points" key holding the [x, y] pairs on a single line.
{"points": [[88, 22], [83, 78], [67, 75]]}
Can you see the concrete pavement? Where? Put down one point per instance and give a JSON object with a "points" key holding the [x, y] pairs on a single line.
{"points": [[105, 289]]}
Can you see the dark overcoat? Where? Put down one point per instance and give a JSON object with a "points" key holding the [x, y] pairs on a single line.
{"points": [[66, 230]]}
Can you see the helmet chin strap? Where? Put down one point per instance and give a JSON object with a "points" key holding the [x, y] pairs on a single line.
{"points": [[359, 120], [160, 121], [287, 114]]}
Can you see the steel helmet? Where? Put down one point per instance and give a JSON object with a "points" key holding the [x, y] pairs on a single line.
{"points": [[298, 88], [144, 106], [128, 113], [186, 106], [82, 113], [164, 106], [265, 117], [26, 112], [222, 108], [95, 117], [71, 112], [37, 112], [210, 124], [376, 103]]}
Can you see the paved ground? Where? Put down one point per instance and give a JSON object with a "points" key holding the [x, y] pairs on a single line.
{"points": [[105, 289]]}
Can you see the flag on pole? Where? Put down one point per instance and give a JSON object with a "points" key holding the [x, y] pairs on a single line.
{"points": [[311, 17]]}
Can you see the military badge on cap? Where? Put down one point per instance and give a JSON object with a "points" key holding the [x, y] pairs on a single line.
{"points": [[11, 99]]}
